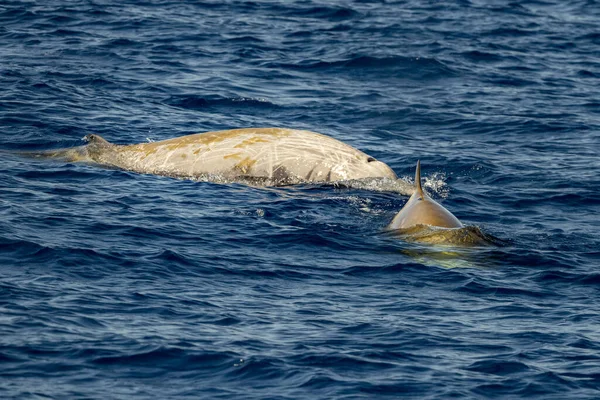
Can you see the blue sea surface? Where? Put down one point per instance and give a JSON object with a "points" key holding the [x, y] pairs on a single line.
{"points": [[117, 285]]}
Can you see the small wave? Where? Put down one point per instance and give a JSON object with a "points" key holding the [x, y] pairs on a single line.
{"points": [[329, 13], [173, 257], [6, 358], [200, 103], [398, 390], [70, 32], [481, 56], [481, 288], [246, 39], [342, 361], [510, 32], [170, 358], [513, 8], [320, 381], [553, 276], [498, 367], [394, 269], [265, 368], [56, 174], [592, 37], [407, 67], [587, 74], [591, 279], [227, 321], [18, 13], [19, 249], [121, 42], [61, 19]]}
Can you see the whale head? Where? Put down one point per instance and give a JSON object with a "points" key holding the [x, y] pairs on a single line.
{"points": [[423, 210], [361, 167], [376, 168]]}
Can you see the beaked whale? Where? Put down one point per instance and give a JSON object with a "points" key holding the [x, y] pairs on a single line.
{"points": [[423, 210], [424, 220], [260, 156]]}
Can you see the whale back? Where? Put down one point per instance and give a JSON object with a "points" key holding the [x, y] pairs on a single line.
{"points": [[256, 156], [423, 210], [278, 155]]}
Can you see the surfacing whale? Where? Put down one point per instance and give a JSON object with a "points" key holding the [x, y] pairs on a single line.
{"points": [[258, 156], [422, 219]]}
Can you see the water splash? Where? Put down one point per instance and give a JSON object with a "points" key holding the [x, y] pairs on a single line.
{"points": [[370, 184], [401, 186], [436, 182]]}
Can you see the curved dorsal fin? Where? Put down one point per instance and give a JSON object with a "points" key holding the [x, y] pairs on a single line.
{"points": [[418, 180]]}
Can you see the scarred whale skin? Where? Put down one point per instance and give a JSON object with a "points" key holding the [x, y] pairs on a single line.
{"points": [[276, 156]]}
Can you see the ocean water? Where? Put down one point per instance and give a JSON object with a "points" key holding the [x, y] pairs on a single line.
{"points": [[128, 286]]}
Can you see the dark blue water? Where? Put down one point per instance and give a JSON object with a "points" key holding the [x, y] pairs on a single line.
{"points": [[128, 286]]}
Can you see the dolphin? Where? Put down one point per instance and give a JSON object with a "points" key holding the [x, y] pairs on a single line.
{"points": [[260, 156]]}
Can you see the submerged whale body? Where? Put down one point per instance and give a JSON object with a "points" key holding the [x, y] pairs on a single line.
{"points": [[264, 156]]}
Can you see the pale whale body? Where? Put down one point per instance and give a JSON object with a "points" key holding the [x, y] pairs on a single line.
{"points": [[265, 156]]}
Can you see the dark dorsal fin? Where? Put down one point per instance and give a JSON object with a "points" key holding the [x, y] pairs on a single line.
{"points": [[96, 139], [418, 180]]}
